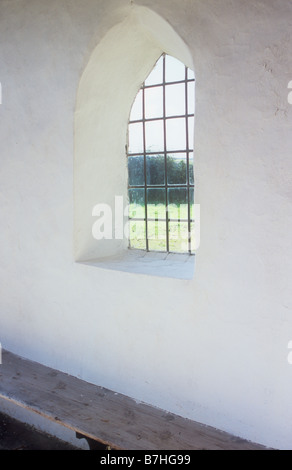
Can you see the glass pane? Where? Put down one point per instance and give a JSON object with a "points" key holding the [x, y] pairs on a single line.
{"points": [[191, 74], [137, 203], [156, 76], [157, 236], [191, 166], [176, 134], [136, 170], [191, 124], [178, 203], [174, 70], [154, 136], [136, 112], [192, 196], [155, 169], [175, 99], [137, 235], [191, 98], [156, 204], [193, 238], [136, 138], [177, 168], [178, 237], [154, 102]]}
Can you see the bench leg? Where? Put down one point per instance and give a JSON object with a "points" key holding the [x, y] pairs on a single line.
{"points": [[93, 444]]}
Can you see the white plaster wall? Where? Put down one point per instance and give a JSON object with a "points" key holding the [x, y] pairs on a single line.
{"points": [[213, 349]]}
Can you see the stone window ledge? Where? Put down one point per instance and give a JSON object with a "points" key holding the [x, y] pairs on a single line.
{"points": [[169, 265]]}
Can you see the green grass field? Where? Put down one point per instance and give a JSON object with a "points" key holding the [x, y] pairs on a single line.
{"points": [[178, 230]]}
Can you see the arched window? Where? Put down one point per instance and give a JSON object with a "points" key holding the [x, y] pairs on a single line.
{"points": [[108, 86], [160, 160]]}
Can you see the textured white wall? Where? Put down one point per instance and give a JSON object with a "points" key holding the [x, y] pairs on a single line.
{"points": [[213, 349]]}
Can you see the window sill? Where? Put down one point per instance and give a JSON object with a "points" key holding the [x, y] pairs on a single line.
{"points": [[171, 265]]}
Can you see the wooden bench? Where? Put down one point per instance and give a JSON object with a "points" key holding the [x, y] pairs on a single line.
{"points": [[108, 420]]}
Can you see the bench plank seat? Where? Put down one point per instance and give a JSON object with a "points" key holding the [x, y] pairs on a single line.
{"points": [[103, 415]]}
